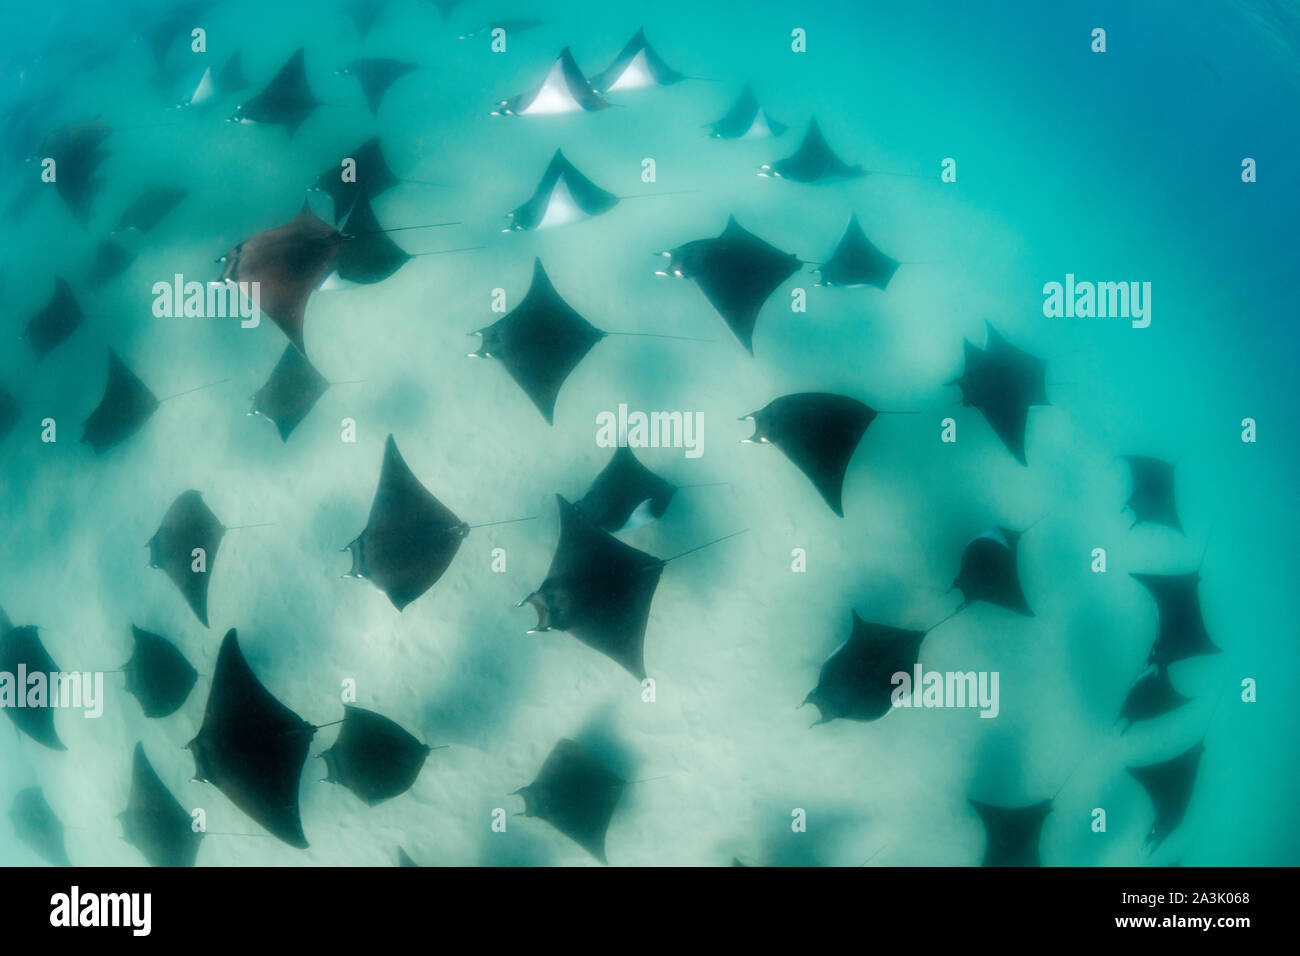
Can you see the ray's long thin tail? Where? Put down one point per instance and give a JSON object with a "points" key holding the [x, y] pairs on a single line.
{"points": [[674, 192], [383, 232], [662, 335], [493, 524], [707, 544], [443, 252], [191, 391]]}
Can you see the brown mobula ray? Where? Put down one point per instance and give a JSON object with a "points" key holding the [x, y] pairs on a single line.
{"points": [[289, 262]]}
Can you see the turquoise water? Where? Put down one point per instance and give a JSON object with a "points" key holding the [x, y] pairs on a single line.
{"points": [[1116, 166]]}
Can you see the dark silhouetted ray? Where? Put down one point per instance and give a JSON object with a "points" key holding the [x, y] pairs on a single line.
{"points": [[411, 537], [813, 162], [77, 151], [290, 393], [188, 525], [577, 794], [404, 858], [737, 272], [286, 101], [563, 90], [1169, 785], [176, 22], [364, 14], [1152, 695], [746, 120], [22, 647], [373, 756], [155, 822], [626, 494], [1181, 632], [1013, 833], [151, 208], [252, 747], [368, 256], [599, 590], [989, 573], [231, 75], [376, 75], [819, 433], [373, 177], [636, 66], [37, 825], [1152, 498], [10, 413], [127, 404], [158, 674], [288, 262], [856, 262], [540, 342], [563, 196], [111, 260], [49, 327], [1003, 382], [447, 7], [856, 682]]}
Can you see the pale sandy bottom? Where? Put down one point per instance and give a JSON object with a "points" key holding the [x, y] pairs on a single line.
{"points": [[735, 638]]}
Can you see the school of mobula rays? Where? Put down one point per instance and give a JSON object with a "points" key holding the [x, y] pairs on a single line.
{"points": [[599, 589]]}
